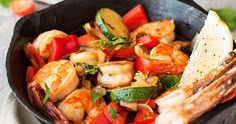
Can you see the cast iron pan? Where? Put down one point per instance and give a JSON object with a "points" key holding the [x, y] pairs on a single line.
{"points": [[70, 15]]}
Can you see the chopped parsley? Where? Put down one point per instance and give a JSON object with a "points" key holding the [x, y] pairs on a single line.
{"points": [[95, 96], [131, 58], [45, 99], [83, 47], [113, 43], [90, 69], [113, 112]]}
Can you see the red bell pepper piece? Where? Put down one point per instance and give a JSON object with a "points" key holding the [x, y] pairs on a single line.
{"points": [[135, 17], [144, 117], [109, 53], [124, 52], [114, 113], [148, 121], [100, 119], [142, 65], [30, 72], [152, 103], [147, 40], [57, 49], [152, 66], [72, 44], [121, 118], [84, 39]]}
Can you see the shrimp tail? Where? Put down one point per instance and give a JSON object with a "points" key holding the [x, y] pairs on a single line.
{"points": [[34, 95], [53, 112], [36, 98], [207, 99], [214, 74], [231, 93], [34, 56]]}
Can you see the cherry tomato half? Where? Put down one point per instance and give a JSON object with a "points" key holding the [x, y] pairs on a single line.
{"points": [[22, 7]]}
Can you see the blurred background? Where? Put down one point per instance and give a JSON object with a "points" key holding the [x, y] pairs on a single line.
{"points": [[11, 112]]}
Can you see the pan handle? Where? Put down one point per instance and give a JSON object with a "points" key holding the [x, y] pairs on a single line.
{"points": [[194, 4]]}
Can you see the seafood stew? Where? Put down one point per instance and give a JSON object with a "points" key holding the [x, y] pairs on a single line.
{"points": [[104, 65]]}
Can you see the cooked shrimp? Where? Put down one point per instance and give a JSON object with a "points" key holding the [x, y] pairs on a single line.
{"points": [[115, 74], [168, 54], [58, 78], [91, 56], [45, 39], [162, 30], [78, 104], [101, 55], [85, 57], [194, 99]]}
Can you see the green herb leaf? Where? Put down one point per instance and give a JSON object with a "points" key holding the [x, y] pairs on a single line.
{"points": [[45, 99], [95, 96], [5, 3], [113, 112], [119, 41], [90, 69], [113, 43], [131, 58], [228, 15], [170, 81], [83, 47], [105, 43]]}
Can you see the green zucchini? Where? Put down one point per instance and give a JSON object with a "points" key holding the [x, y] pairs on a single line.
{"points": [[111, 24], [130, 94]]}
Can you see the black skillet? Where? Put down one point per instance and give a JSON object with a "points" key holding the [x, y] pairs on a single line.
{"points": [[70, 15]]}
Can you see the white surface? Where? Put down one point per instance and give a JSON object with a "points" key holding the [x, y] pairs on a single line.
{"points": [[216, 4], [11, 112], [14, 113], [6, 29]]}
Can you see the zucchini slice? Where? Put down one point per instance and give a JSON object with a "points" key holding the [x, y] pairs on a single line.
{"points": [[130, 94], [111, 24]]}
